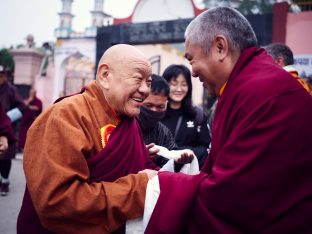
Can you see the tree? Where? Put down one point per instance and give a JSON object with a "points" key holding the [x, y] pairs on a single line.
{"points": [[246, 7], [6, 60]]}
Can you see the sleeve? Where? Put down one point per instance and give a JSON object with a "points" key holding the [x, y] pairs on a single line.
{"points": [[255, 158], [169, 141], [6, 127], [17, 100], [57, 177], [166, 140]]}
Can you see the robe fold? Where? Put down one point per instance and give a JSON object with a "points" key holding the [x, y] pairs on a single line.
{"points": [[65, 165], [258, 176]]}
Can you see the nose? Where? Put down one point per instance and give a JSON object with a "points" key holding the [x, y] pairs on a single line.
{"points": [[179, 87], [153, 108], [194, 74], [144, 88]]}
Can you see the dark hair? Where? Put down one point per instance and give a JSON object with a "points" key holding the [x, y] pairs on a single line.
{"points": [[159, 85], [279, 49], [172, 72]]}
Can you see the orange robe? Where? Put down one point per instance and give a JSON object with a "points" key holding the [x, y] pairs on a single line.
{"points": [[57, 147], [295, 74]]}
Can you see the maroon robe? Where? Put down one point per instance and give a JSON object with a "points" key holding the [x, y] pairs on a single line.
{"points": [[28, 118], [120, 157], [258, 178], [6, 127], [9, 99]]}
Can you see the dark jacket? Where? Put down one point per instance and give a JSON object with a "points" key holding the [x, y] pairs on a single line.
{"points": [[192, 133], [160, 135]]}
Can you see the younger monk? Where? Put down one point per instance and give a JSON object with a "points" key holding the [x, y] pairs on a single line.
{"points": [[258, 176], [77, 149]]}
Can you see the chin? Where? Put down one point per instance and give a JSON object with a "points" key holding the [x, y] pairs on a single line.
{"points": [[133, 113], [177, 99]]}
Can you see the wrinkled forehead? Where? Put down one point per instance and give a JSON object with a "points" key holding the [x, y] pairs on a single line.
{"points": [[192, 49], [187, 49], [140, 65]]}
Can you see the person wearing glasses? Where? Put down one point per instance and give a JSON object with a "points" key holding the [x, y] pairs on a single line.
{"points": [[187, 122]]}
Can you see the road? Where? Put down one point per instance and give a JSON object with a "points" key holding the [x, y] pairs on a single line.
{"points": [[10, 205]]}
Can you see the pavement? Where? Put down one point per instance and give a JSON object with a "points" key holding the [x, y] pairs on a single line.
{"points": [[11, 204]]}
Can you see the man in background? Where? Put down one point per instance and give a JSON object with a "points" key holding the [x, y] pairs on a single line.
{"points": [[154, 132], [283, 56]]}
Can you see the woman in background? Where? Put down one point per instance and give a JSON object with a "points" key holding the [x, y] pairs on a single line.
{"points": [[33, 109], [187, 122]]}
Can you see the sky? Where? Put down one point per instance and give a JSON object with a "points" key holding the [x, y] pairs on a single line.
{"points": [[40, 17]]}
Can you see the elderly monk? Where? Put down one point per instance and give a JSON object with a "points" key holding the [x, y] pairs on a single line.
{"points": [[258, 176], [84, 140]]}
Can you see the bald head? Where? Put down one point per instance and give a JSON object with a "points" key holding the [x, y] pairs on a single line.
{"points": [[122, 54], [124, 75]]}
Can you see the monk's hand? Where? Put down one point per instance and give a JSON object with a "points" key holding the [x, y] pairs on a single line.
{"points": [[150, 173], [152, 150], [186, 156], [3, 144]]}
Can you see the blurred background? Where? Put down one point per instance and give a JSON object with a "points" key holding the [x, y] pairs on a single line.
{"points": [[54, 45]]}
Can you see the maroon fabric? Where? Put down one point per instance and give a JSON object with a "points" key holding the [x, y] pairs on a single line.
{"points": [[175, 204], [10, 97], [259, 168], [121, 156], [6, 127], [124, 153], [28, 118]]}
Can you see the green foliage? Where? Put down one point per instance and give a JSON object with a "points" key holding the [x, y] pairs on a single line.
{"points": [[6, 60], [248, 7]]}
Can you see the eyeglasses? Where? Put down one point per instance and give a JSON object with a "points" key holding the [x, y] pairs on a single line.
{"points": [[178, 85]]}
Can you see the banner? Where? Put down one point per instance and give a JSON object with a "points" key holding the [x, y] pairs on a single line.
{"points": [[303, 63]]}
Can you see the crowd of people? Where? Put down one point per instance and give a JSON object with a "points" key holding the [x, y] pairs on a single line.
{"points": [[116, 157]]}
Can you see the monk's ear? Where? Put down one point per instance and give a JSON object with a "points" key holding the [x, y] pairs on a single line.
{"points": [[103, 75], [280, 61], [221, 47]]}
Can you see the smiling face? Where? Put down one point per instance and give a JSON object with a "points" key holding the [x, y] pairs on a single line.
{"points": [[126, 82], [204, 66], [129, 87], [178, 89], [212, 68]]}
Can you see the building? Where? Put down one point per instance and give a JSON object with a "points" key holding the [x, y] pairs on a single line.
{"points": [[75, 52], [74, 60]]}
